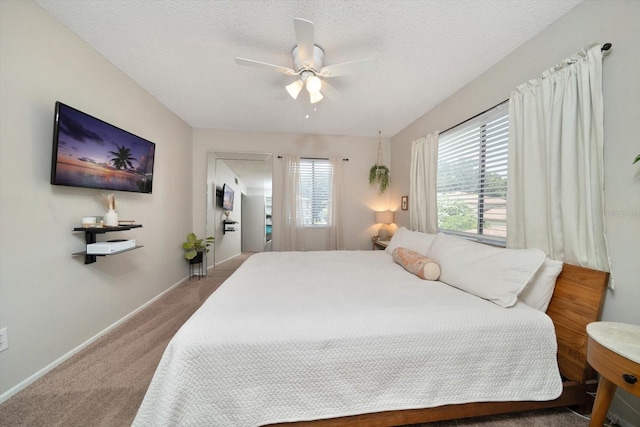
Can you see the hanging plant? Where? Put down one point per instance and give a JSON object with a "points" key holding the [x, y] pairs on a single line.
{"points": [[379, 172]]}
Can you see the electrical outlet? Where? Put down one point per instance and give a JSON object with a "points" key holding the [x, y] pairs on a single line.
{"points": [[4, 339]]}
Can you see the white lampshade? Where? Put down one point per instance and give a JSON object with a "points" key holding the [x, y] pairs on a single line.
{"points": [[295, 88], [384, 217], [314, 84], [315, 97]]}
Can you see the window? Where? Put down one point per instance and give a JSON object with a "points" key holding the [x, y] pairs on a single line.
{"points": [[315, 191], [472, 177]]}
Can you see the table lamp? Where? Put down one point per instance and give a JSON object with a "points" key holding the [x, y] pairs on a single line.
{"points": [[385, 218]]}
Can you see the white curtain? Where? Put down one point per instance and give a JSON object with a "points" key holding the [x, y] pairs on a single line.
{"points": [[423, 213], [289, 222], [336, 234], [293, 234], [555, 188]]}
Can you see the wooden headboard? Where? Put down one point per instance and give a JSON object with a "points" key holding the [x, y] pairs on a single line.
{"points": [[577, 301]]}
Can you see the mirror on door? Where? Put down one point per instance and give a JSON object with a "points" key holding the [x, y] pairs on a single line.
{"points": [[239, 207]]}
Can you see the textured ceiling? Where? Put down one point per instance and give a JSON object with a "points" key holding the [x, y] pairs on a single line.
{"points": [[183, 53]]}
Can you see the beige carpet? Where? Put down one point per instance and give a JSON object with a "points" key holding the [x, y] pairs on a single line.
{"points": [[233, 263], [103, 385]]}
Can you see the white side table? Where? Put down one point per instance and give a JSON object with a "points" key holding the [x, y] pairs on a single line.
{"points": [[613, 350]]}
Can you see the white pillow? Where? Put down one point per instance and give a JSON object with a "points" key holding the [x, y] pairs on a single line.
{"points": [[538, 292], [414, 240], [495, 274]]}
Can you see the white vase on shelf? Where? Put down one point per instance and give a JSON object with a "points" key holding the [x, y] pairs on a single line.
{"points": [[111, 218]]}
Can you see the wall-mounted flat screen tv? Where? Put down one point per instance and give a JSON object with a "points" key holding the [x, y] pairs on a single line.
{"points": [[227, 198], [88, 152]]}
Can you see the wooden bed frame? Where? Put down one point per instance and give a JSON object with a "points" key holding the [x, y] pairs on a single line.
{"points": [[577, 301]]}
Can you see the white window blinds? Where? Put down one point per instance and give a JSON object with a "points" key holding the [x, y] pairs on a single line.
{"points": [[472, 177], [315, 191]]}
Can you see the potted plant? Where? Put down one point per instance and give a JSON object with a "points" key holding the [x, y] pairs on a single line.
{"points": [[379, 173], [194, 247]]}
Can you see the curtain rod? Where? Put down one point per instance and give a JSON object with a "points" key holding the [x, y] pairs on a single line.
{"points": [[316, 158], [471, 118]]}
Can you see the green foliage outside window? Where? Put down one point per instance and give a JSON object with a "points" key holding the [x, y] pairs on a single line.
{"points": [[456, 216], [495, 186]]}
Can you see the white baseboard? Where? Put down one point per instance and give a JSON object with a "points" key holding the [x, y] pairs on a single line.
{"points": [[30, 380]]}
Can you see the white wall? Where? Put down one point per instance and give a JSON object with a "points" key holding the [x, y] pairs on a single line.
{"points": [[361, 199], [50, 301], [616, 22], [253, 220]]}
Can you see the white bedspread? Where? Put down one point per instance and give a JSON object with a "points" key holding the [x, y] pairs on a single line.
{"points": [[294, 336]]}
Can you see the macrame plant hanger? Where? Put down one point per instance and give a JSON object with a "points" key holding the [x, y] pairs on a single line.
{"points": [[379, 172], [380, 160]]}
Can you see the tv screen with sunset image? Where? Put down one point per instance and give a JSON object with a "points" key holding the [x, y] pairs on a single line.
{"points": [[88, 152]]}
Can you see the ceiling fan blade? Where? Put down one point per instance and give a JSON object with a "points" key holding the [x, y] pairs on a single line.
{"points": [[258, 64], [360, 66], [304, 38], [331, 92]]}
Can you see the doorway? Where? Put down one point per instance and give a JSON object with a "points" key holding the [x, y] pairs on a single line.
{"points": [[249, 175]]}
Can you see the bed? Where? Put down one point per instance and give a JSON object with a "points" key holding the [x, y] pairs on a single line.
{"points": [[353, 338]]}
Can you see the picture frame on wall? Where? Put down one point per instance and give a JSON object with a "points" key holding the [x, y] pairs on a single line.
{"points": [[404, 203]]}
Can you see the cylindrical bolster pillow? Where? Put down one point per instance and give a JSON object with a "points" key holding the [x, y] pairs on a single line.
{"points": [[418, 264]]}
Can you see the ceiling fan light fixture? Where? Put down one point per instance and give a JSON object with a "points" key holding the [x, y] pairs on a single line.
{"points": [[308, 61], [295, 88], [315, 97], [314, 84]]}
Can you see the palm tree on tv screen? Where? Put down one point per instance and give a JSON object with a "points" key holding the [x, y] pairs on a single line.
{"points": [[122, 159]]}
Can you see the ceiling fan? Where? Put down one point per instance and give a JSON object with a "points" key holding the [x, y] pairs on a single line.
{"points": [[308, 61]]}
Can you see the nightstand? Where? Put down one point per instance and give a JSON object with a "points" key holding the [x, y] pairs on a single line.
{"points": [[379, 244], [613, 350]]}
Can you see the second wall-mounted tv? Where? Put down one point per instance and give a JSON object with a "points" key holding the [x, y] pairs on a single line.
{"points": [[227, 197], [88, 152]]}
